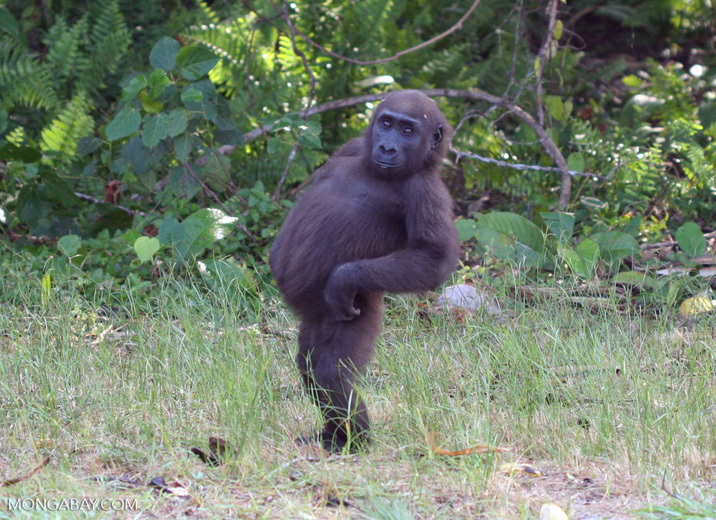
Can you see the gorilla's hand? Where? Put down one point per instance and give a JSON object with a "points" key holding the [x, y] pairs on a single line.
{"points": [[340, 294]]}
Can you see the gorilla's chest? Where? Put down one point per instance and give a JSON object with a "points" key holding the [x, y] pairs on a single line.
{"points": [[377, 221]]}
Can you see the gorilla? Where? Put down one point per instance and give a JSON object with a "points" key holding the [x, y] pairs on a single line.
{"points": [[377, 218]]}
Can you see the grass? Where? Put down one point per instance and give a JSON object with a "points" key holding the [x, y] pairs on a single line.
{"points": [[609, 407]]}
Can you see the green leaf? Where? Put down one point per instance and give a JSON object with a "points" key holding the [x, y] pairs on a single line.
{"points": [[32, 205], [205, 104], [203, 228], [576, 162], [58, 190], [134, 87], [130, 236], [195, 61], [691, 239], [14, 152], [226, 272], [171, 232], [69, 245], [631, 81], [150, 106], [465, 229], [164, 54], [615, 245], [309, 140], [157, 83], [177, 122], [146, 247], [593, 203], [583, 259], [511, 237], [88, 145], [561, 225], [125, 123], [636, 278], [182, 146], [556, 107], [191, 95], [156, 129], [183, 182], [558, 30], [272, 145], [135, 155], [514, 226]]}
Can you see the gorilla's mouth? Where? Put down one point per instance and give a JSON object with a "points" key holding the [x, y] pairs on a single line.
{"points": [[386, 165]]}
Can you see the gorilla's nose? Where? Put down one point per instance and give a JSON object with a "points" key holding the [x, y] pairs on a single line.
{"points": [[388, 149]]}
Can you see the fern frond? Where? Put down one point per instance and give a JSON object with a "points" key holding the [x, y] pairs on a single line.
{"points": [[210, 15], [108, 43], [17, 136], [72, 123], [226, 41], [64, 47], [449, 63], [24, 80], [370, 16]]}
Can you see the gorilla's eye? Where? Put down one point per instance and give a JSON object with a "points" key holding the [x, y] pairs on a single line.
{"points": [[387, 123], [408, 130]]}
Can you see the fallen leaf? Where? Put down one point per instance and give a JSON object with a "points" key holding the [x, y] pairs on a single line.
{"points": [[480, 448], [552, 512], [520, 468], [696, 305]]}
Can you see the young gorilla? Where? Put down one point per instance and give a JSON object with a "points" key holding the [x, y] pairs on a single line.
{"points": [[378, 218]]}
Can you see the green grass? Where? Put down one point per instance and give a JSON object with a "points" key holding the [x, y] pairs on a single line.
{"points": [[605, 406]]}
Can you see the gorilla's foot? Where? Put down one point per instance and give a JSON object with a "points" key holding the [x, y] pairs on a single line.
{"points": [[335, 442]]}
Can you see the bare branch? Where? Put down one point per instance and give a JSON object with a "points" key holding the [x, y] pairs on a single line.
{"points": [[95, 200], [291, 155], [298, 52], [400, 54], [514, 166], [543, 136], [218, 201]]}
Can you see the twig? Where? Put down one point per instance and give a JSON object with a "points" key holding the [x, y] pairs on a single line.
{"points": [[11, 481], [397, 55], [311, 97], [526, 166], [660, 245], [218, 201], [95, 200], [298, 52], [545, 53], [291, 155]]}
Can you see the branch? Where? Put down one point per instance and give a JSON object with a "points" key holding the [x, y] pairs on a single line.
{"points": [[95, 200], [397, 55], [514, 166], [218, 201], [546, 53], [544, 138], [660, 245], [312, 96]]}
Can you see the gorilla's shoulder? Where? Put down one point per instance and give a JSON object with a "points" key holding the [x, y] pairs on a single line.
{"points": [[353, 148]]}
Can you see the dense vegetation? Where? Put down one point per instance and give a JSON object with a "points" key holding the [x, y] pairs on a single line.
{"points": [[138, 139], [149, 152]]}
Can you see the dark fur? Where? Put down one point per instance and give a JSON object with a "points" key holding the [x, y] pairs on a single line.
{"points": [[359, 231]]}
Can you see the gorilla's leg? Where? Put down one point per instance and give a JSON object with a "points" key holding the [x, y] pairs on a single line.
{"points": [[331, 355]]}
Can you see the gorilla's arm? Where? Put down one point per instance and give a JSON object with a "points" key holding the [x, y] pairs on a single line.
{"points": [[425, 263]]}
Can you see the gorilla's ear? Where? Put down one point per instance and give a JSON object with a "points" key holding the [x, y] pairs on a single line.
{"points": [[437, 137]]}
